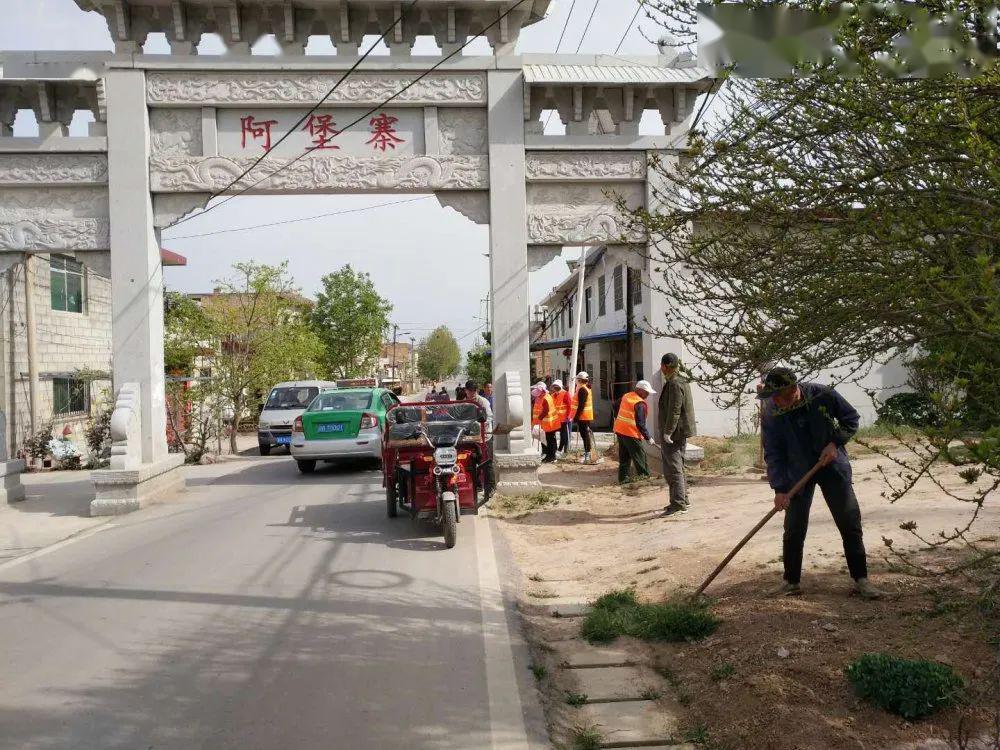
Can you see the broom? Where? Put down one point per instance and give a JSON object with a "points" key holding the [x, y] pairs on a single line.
{"points": [[797, 488]]}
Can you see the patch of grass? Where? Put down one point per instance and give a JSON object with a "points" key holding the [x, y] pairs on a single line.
{"points": [[539, 671], [585, 738], [722, 672], [910, 688], [576, 699], [730, 455], [543, 594], [650, 694], [620, 613], [521, 505], [697, 735]]}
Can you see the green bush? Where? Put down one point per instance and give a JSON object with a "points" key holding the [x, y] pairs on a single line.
{"points": [[911, 689], [908, 410], [620, 613]]}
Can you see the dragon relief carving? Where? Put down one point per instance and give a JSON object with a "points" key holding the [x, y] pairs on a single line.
{"points": [[272, 88], [53, 169], [188, 174], [56, 234], [175, 131], [463, 131], [581, 214], [26, 203], [586, 166]]}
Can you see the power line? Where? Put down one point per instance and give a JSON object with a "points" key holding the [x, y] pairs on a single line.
{"points": [[587, 27], [565, 26], [628, 28], [394, 96], [304, 218], [326, 96]]}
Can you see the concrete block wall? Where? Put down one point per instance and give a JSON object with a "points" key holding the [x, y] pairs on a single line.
{"points": [[65, 342]]}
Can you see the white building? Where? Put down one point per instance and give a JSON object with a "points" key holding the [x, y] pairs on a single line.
{"points": [[605, 355]]}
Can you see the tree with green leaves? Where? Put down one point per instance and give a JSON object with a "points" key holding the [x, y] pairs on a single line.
{"points": [[261, 333], [438, 355], [479, 361], [352, 320], [185, 332], [841, 222]]}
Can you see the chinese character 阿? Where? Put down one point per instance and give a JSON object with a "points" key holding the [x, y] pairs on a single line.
{"points": [[257, 129], [322, 130], [383, 132]]}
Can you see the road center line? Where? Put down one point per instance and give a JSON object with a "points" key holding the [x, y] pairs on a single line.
{"points": [[507, 727]]}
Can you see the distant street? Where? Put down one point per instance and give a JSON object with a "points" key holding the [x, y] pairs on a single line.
{"points": [[263, 609]]}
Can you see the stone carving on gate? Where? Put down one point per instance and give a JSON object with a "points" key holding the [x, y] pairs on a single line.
{"points": [[474, 205], [41, 235], [31, 203], [463, 131], [581, 214], [53, 169], [175, 131], [610, 166], [333, 173], [210, 89]]}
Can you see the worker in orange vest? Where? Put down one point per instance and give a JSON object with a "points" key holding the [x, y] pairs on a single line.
{"points": [[582, 413], [630, 429], [562, 401], [545, 414]]}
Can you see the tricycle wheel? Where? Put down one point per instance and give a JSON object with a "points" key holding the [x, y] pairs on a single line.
{"points": [[391, 504], [450, 520]]}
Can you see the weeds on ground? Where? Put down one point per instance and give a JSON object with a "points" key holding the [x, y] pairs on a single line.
{"points": [[539, 671], [585, 738], [731, 455], [543, 594], [576, 699], [700, 737], [722, 672], [650, 694], [910, 688], [516, 506], [620, 613]]}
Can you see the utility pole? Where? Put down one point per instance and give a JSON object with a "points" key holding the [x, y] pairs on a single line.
{"points": [[30, 333], [629, 327], [395, 330], [413, 363]]}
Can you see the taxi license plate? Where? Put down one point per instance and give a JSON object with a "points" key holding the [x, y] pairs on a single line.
{"points": [[330, 428]]}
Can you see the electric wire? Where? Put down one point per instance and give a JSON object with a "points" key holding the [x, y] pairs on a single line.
{"points": [[391, 98], [583, 36], [628, 28]]}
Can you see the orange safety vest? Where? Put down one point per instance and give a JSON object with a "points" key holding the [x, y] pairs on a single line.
{"points": [[625, 423], [588, 409], [561, 400], [550, 420]]}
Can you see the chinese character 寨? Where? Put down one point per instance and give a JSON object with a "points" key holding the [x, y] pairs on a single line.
{"points": [[257, 129], [383, 132], [322, 129]]}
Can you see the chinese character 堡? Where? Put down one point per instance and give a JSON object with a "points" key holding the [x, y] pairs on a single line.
{"points": [[257, 129], [322, 129], [383, 132]]}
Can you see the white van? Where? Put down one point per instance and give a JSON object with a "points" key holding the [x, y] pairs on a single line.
{"points": [[284, 403]]}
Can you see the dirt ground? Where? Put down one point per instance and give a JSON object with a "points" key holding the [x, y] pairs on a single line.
{"points": [[772, 676]]}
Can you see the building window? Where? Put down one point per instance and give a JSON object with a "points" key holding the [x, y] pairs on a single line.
{"points": [[605, 384], [587, 303], [70, 396], [569, 309], [635, 279], [66, 283], [602, 296], [619, 289]]}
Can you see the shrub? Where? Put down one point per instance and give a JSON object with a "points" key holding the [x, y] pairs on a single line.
{"points": [[909, 410], [620, 613], [911, 689], [98, 436], [37, 445]]}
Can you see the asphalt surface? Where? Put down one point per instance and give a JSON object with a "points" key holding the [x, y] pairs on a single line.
{"points": [[261, 609]]}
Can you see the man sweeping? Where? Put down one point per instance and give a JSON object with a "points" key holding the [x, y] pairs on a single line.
{"points": [[631, 431], [812, 423], [676, 424]]}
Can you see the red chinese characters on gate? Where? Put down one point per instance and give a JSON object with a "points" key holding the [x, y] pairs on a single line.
{"points": [[322, 129], [384, 132], [256, 129]]}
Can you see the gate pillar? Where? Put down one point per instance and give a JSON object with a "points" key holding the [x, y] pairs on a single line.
{"points": [[509, 259]]}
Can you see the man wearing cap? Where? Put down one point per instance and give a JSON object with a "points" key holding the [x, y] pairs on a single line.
{"points": [[630, 430], [812, 423], [583, 414], [675, 420], [544, 415], [561, 399]]}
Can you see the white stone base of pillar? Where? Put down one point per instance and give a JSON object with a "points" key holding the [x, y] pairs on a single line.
{"points": [[518, 472], [119, 491], [11, 490]]}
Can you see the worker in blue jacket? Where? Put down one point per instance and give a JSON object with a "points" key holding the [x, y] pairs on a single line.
{"points": [[812, 423]]}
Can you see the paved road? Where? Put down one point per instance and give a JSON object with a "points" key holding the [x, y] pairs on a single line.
{"points": [[263, 609]]}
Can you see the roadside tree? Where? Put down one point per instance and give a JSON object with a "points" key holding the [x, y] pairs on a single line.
{"points": [[479, 361], [352, 320], [438, 355]]}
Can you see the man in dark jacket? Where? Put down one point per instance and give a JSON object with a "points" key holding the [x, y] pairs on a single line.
{"points": [[812, 423], [676, 424]]}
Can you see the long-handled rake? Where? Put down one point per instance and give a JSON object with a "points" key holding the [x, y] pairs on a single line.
{"points": [[797, 488]]}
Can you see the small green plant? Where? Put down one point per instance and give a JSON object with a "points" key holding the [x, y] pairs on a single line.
{"points": [[620, 613], [585, 738], [37, 445], [576, 699], [650, 694], [698, 736], [539, 671], [722, 672], [910, 688]]}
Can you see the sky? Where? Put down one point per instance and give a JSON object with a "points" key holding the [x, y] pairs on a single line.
{"points": [[428, 260]]}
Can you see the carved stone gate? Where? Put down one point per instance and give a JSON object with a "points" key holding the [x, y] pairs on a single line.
{"points": [[170, 130]]}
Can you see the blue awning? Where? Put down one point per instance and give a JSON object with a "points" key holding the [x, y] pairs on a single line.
{"points": [[595, 338]]}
